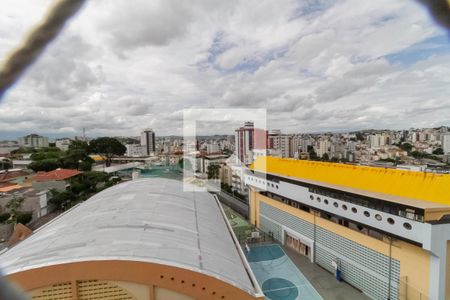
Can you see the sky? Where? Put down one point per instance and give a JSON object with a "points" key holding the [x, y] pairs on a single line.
{"points": [[121, 66]]}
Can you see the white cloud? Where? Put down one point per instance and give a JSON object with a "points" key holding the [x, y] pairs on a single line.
{"points": [[120, 66]]}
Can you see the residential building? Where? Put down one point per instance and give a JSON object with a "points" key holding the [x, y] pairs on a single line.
{"points": [[248, 139], [163, 244], [323, 148], [445, 142], [280, 142], [385, 230], [208, 160], [33, 141], [58, 179], [148, 141], [135, 150], [213, 147], [63, 144]]}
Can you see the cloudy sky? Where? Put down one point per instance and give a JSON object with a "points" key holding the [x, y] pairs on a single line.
{"points": [[315, 65]]}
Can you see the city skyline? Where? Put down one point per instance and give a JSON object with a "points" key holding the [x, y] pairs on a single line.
{"points": [[16, 135], [377, 65]]}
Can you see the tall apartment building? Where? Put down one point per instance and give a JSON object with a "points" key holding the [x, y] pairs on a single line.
{"points": [[280, 142], [148, 141], [445, 141], [248, 139], [33, 141], [323, 147], [386, 230]]}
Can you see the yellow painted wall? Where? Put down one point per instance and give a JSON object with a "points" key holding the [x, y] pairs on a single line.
{"points": [[414, 261], [430, 187], [165, 294]]}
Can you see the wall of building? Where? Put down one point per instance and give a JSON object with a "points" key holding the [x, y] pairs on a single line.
{"points": [[364, 260], [59, 185], [133, 277]]}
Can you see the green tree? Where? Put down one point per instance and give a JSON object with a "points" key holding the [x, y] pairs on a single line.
{"points": [[326, 157], [61, 200], [213, 171], [24, 217], [4, 217], [359, 136], [14, 206], [406, 147], [77, 156], [107, 148], [438, 151], [45, 165], [312, 153]]}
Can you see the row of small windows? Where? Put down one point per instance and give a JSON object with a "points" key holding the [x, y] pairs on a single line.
{"points": [[378, 217], [262, 182]]}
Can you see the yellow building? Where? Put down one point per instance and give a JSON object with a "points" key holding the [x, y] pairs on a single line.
{"points": [[387, 231], [143, 239]]}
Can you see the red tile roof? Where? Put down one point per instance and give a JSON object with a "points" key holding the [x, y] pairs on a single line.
{"points": [[59, 174]]}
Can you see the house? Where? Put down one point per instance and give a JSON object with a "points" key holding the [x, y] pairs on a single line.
{"points": [[58, 179]]}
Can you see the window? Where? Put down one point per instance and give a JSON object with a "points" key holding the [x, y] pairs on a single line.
{"points": [[344, 207], [366, 213], [336, 204], [318, 199], [407, 226], [378, 217], [311, 197], [354, 210], [391, 221], [325, 201]]}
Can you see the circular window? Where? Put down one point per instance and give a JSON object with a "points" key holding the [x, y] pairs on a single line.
{"points": [[277, 186], [391, 221], [311, 197], [335, 204], [344, 207], [407, 226], [366, 213], [318, 199], [378, 217], [325, 201], [354, 210]]}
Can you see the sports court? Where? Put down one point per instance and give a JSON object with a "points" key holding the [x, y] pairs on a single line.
{"points": [[278, 276]]}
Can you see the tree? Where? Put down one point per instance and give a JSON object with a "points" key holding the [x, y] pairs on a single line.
{"points": [[14, 206], [359, 136], [24, 217], [438, 151], [77, 156], [325, 157], [45, 165], [406, 147], [213, 171], [61, 199], [312, 153], [107, 148]]}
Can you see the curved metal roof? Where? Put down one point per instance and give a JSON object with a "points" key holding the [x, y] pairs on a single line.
{"points": [[148, 220]]}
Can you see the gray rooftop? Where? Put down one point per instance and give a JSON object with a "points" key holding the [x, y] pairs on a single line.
{"points": [[149, 220]]}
